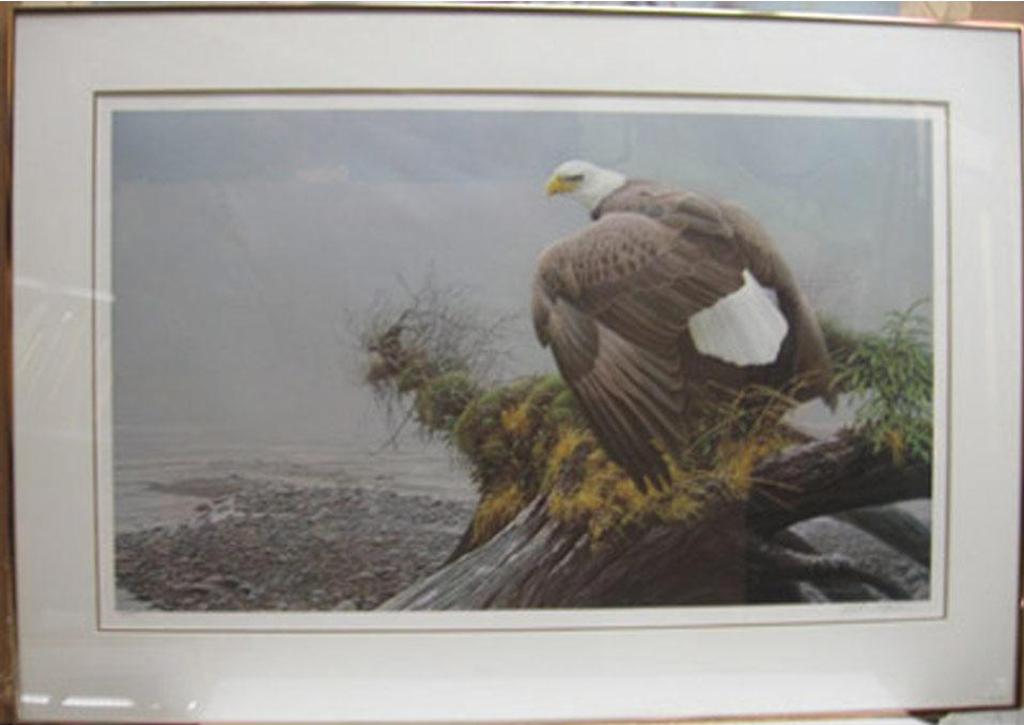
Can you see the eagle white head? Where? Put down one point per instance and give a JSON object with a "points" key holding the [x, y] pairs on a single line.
{"points": [[585, 182]]}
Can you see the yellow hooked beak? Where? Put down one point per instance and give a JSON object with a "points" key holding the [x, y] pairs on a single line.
{"points": [[560, 185]]}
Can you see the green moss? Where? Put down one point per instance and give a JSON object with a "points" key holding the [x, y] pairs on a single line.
{"points": [[507, 433], [544, 389], [441, 400], [479, 416], [410, 378]]}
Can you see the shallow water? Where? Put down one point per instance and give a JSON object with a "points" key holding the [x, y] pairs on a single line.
{"points": [[163, 484]]}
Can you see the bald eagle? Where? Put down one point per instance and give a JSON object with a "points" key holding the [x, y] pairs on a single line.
{"points": [[667, 297]]}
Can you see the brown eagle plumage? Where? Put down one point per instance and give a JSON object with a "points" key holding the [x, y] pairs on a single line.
{"points": [[666, 296]]}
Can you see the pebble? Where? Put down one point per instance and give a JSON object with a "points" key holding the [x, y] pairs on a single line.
{"points": [[272, 546]]}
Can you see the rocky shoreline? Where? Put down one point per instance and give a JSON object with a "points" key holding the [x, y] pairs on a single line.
{"points": [[273, 546], [270, 545]]}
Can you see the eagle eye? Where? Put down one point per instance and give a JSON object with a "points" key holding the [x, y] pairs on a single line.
{"points": [[573, 177]]}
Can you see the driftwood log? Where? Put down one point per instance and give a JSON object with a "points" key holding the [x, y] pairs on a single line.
{"points": [[538, 561]]}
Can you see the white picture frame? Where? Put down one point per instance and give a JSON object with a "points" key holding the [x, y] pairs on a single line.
{"points": [[81, 659]]}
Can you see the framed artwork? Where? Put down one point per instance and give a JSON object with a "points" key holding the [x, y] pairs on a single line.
{"points": [[672, 360]]}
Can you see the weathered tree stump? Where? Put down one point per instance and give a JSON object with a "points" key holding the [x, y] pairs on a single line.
{"points": [[538, 561]]}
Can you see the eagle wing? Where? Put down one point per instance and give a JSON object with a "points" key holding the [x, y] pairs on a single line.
{"points": [[614, 303]]}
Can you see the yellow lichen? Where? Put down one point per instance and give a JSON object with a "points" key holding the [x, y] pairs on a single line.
{"points": [[568, 440], [897, 443], [679, 507], [602, 498], [738, 459], [528, 439], [496, 510], [517, 420]]}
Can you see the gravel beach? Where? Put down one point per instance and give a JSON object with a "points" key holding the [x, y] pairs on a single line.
{"points": [[312, 530], [272, 546]]}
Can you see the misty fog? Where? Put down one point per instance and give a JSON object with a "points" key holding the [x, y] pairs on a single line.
{"points": [[246, 242]]}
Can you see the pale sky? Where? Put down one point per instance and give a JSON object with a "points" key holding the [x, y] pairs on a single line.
{"points": [[244, 240]]}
